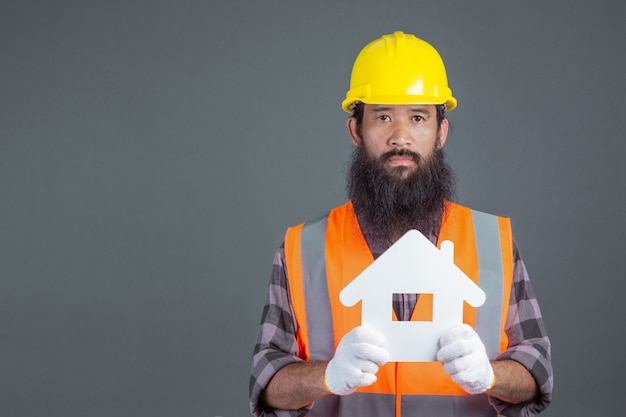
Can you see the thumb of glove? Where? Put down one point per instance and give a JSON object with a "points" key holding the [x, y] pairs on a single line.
{"points": [[355, 363]]}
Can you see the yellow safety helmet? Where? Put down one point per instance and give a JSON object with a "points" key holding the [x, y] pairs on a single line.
{"points": [[398, 69]]}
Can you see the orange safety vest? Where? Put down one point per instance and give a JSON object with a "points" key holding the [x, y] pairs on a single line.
{"points": [[324, 256]]}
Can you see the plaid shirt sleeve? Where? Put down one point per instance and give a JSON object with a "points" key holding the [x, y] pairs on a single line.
{"points": [[276, 344], [528, 343]]}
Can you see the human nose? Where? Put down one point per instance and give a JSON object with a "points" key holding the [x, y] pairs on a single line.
{"points": [[400, 135]]}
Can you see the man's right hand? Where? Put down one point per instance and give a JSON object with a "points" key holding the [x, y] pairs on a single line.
{"points": [[356, 361]]}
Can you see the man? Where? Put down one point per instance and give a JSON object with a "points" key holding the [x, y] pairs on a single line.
{"points": [[312, 357]]}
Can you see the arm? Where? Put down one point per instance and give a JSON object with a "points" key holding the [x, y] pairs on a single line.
{"points": [[514, 384], [276, 346], [281, 383], [354, 364], [296, 385], [465, 359], [519, 381], [529, 349]]}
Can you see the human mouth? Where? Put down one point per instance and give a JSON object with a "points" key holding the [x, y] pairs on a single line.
{"points": [[400, 161]]}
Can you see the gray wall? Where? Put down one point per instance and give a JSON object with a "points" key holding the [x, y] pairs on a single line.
{"points": [[152, 154]]}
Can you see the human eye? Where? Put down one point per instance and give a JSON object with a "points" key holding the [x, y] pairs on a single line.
{"points": [[418, 118], [383, 117]]}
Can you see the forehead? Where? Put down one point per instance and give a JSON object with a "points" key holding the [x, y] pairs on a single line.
{"points": [[399, 108]]}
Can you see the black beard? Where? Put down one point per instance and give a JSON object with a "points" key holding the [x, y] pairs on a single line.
{"points": [[391, 201]]}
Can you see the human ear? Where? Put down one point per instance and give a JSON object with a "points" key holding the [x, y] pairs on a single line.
{"points": [[442, 133], [354, 131]]}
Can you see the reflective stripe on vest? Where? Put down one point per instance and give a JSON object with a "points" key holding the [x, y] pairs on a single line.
{"points": [[319, 320], [325, 255], [489, 315]]}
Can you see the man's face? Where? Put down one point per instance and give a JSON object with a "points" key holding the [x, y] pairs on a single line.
{"points": [[389, 131]]}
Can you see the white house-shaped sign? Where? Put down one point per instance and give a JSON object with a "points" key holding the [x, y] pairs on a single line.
{"points": [[413, 265]]}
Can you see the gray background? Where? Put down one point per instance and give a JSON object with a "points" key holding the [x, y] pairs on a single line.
{"points": [[152, 154]]}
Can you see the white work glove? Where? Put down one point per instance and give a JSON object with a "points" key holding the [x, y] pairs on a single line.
{"points": [[465, 359], [356, 361]]}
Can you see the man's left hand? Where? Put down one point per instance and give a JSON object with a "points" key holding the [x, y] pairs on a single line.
{"points": [[465, 359]]}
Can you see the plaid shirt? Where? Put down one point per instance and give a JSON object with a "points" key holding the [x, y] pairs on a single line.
{"points": [[276, 344]]}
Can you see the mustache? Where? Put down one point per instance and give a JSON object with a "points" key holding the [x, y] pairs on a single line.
{"points": [[401, 152]]}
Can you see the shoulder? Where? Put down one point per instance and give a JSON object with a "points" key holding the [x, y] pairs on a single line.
{"points": [[344, 209], [452, 206]]}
